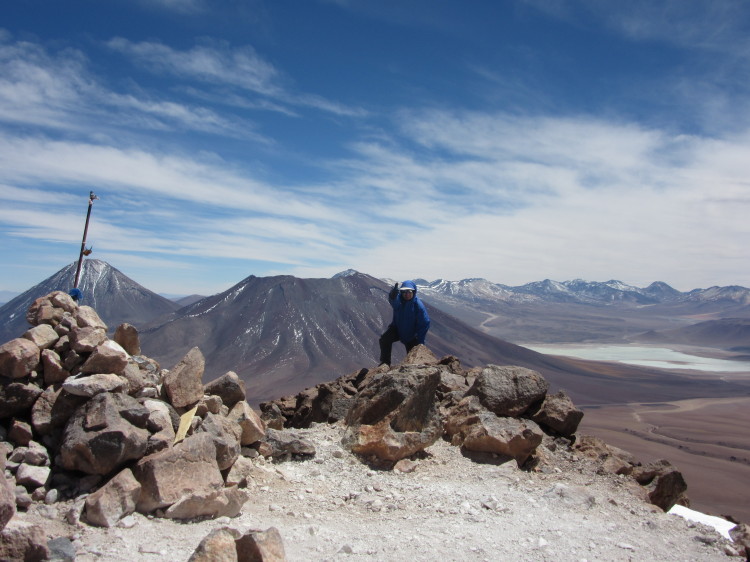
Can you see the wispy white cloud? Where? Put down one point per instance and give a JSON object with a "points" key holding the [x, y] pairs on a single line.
{"points": [[216, 63]]}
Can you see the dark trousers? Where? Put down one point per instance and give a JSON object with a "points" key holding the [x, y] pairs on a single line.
{"points": [[389, 337]]}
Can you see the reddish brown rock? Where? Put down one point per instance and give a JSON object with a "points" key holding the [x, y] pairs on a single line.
{"points": [[261, 546], [20, 540], [229, 387], [183, 383], [395, 414], [217, 546], [126, 335], [559, 415], [44, 336], [253, 428], [113, 501], [18, 358], [186, 469], [107, 357], [52, 368]]}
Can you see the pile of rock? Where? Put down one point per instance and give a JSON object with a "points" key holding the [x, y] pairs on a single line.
{"points": [[84, 416], [493, 413]]}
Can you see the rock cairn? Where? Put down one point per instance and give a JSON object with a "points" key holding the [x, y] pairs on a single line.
{"points": [[87, 418]]}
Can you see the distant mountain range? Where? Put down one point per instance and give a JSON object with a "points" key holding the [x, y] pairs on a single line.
{"points": [[282, 334]]}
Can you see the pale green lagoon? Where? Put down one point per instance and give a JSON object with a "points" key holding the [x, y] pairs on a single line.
{"points": [[644, 356]]}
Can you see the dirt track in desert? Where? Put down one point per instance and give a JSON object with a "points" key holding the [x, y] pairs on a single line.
{"points": [[707, 439]]}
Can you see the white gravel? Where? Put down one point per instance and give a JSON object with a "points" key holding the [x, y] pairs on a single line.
{"points": [[335, 507]]}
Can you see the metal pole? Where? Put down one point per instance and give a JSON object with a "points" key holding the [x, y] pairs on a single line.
{"points": [[83, 243]]}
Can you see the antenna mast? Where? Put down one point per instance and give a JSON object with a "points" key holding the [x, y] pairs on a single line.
{"points": [[92, 196]]}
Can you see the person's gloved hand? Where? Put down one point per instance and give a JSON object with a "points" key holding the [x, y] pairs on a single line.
{"points": [[394, 292]]}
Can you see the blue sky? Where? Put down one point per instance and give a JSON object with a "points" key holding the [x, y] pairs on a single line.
{"points": [[514, 141]]}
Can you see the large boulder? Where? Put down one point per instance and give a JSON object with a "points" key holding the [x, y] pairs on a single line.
{"points": [[114, 500], [253, 428], [559, 415], [104, 433], [22, 540], [44, 336], [189, 468], [476, 429], [508, 391], [18, 358], [395, 414], [226, 436], [663, 482], [183, 384], [229, 387], [107, 357]]}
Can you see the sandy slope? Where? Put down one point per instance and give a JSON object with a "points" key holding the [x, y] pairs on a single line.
{"points": [[706, 439], [449, 508]]}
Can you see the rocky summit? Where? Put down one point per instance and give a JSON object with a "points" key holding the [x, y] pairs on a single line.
{"points": [[107, 455]]}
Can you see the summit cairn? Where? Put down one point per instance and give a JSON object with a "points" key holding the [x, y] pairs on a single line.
{"points": [[80, 413]]}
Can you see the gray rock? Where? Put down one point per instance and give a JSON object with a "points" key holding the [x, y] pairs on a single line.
{"points": [[508, 391], [104, 433], [229, 387]]}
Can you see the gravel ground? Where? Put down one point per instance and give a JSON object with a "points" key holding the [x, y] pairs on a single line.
{"points": [[335, 507]]}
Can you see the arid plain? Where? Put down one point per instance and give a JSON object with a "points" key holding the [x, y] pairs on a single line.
{"points": [[707, 439]]}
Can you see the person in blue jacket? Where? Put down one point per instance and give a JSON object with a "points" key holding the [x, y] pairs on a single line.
{"points": [[410, 320]]}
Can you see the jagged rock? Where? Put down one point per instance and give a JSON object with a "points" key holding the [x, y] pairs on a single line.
{"points": [[663, 482], [187, 468], [20, 540], [272, 416], [16, 397], [558, 414], [53, 409], [261, 546], [282, 444], [741, 536], [508, 391], [217, 546], [113, 501], [87, 317], [107, 357], [18, 358], [104, 433], [183, 383], [161, 425], [395, 414], [137, 380], [229, 387], [7, 499], [126, 335], [224, 502], [52, 367], [420, 355], [85, 340], [477, 429], [19, 433], [43, 336], [252, 426], [226, 436], [91, 385]]}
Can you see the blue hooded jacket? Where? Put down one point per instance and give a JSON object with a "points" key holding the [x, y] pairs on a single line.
{"points": [[410, 317]]}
